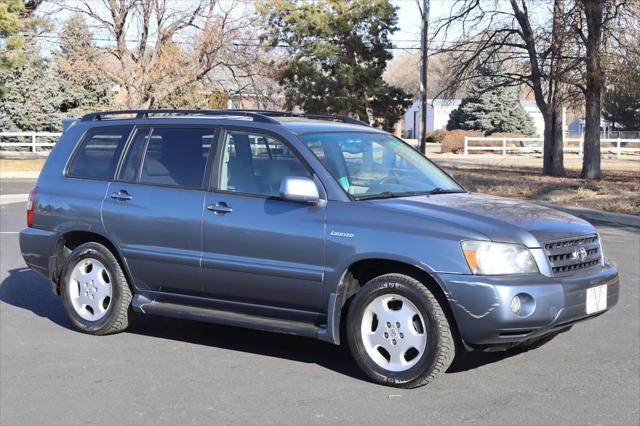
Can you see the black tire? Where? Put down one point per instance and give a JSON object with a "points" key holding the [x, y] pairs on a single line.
{"points": [[116, 318], [440, 346]]}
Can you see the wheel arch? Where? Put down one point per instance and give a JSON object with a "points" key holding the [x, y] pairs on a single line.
{"points": [[69, 240], [358, 273]]}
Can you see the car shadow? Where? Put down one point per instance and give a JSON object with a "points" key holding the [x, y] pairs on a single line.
{"points": [[465, 360], [25, 289]]}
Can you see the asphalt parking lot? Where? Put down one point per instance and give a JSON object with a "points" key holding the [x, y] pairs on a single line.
{"points": [[166, 371]]}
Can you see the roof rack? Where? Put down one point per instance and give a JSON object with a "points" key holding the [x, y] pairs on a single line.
{"points": [[145, 113], [263, 116], [271, 113]]}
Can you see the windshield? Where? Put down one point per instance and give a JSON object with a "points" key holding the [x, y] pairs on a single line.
{"points": [[377, 165]]}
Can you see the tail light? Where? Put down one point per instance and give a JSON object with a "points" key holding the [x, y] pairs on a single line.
{"points": [[31, 206]]}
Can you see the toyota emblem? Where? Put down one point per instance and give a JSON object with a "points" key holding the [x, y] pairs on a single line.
{"points": [[580, 253]]}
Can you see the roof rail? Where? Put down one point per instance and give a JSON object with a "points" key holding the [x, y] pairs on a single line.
{"points": [[144, 113], [270, 113]]}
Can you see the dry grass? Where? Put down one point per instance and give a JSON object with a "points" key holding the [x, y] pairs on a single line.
{"points": [[618, 191], [21, 165]]}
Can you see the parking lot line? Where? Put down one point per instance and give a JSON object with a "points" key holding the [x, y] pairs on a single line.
{"points": [[13, 198]]}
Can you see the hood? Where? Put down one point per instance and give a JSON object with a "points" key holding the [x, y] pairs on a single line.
{"points": [[500, 219]]}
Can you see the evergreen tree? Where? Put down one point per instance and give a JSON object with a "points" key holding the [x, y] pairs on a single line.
{"points": [[621, 107], [86, 89], [11, 46], [337, 53], [491, 107], [39, 92], [34, 99]]}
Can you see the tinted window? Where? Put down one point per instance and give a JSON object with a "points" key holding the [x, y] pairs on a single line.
{"points": [[176, 156], [255, 164], [131, 166], [98, 155]]}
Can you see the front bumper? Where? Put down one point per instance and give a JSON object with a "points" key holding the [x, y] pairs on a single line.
{"points": [[481, 305]]}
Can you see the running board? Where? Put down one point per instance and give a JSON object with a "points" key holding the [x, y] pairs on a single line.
{"points": [[144, 305]]}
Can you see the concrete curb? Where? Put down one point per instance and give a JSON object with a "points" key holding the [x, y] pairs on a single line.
{"points": [[592, 214]]}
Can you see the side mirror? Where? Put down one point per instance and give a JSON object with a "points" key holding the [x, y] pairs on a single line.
{"points": [[299, 189]]}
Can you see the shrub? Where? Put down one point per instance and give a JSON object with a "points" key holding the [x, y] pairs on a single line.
{"points": [[454, 140], [436, 136]]}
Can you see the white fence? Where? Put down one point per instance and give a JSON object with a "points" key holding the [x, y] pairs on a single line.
{"points": [[613, 146], [31, 139]]}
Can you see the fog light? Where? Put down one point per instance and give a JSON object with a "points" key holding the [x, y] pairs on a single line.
{"points": [[523, 304], [516, 304]]}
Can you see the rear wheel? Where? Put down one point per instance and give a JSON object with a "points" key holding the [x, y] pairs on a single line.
{"points": [[95, 292], [398, 333]]}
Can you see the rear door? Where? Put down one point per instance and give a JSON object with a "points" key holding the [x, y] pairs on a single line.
{"points": [[259, 248], [153, 211]]}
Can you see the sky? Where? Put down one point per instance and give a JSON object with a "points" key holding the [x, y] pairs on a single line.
{"points": [[409, 20]]}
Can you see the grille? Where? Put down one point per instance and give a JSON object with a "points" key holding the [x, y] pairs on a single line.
{"points": [[564, 255]]}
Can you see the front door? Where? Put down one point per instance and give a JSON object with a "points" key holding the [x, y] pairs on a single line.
{"points": [[154, 209], [258, 248]]}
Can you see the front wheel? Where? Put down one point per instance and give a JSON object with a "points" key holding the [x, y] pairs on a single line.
{"points": [[398, 333], [94, 290]]}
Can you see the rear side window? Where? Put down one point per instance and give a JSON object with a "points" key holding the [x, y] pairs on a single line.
{"points": [[99, 152], [169, 156]]}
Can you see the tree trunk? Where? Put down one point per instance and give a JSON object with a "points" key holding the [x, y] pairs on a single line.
{"points": [[591, 159], [553, 161], [593, 10]]}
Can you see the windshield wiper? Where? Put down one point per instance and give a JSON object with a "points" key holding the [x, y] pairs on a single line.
{"points": [[381, 195], [439, 190], [389, 194]]}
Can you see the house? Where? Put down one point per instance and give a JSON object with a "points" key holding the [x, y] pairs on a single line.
{"points": [[438, 111], [608, 130]]}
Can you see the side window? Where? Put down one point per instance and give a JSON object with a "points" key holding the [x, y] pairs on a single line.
{"points": [[130, 169], [173, 156], [255, 164], [99, 153]]}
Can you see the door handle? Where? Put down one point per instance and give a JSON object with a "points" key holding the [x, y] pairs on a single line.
{"points": [[220, 208], [121, 195]]}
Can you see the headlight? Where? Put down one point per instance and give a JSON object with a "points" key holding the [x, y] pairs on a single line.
{"points": [[489, 258]]}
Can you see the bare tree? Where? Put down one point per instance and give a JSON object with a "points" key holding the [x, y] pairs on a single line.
{"points": [[597, 25], [533, 52], [623, 65], [159, 47], [403, 71]]}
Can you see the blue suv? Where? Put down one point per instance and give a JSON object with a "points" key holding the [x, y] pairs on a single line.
{"points": [[318, 226]]}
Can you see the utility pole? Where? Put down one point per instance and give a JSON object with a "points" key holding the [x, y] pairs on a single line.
{"points": [[424, 62]]}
